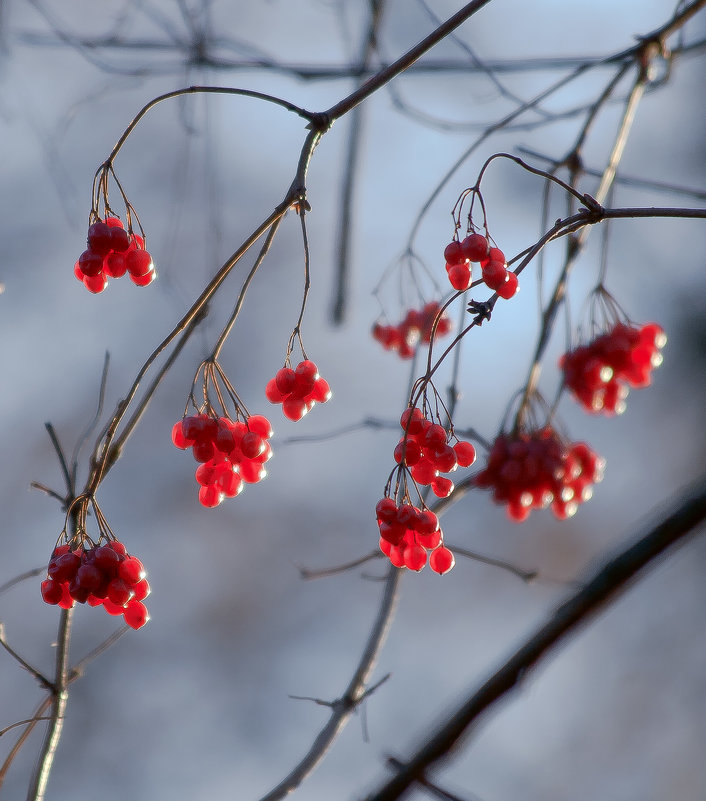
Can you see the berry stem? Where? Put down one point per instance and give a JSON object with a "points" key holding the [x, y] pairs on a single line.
{"points": [[241, 297]]}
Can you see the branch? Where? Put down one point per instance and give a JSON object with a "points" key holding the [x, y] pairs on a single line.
{"points": [[342, 709], [404, 62], [60, 698], [685, 515]]}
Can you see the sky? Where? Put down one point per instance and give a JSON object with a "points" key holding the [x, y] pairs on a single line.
{"points": [[198, 703]]}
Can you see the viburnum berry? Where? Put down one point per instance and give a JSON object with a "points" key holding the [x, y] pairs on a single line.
{"points": [[535, 469], [98, 575], [298, 390], [416, 327], [460, 276], [601, 373], [230, 453], [425, 448], [112, 251], [409, 536], [475, 247]]}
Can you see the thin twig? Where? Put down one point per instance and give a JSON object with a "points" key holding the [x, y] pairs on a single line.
{"points": [[352, 696], [40, 677], [35, 571]]}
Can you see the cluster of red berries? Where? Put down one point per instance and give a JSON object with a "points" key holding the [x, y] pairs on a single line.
{"points": [[476, 247], [230, 453], [298, 389], [112, 252], [415, 327], [599, 374], [407, 533], [533, 470], [100, 575], [426, 450]]}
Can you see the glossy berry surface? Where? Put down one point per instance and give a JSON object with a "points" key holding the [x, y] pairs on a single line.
{"points": [[537, 469], [111, 253], [231, 454], [103, 575], [298, 389], [410, 536], [600, 374]]}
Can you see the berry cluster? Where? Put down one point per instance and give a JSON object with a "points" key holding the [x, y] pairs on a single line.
{"points": [[100, 575], [476, 247], [600, 373], [112, 252], [407, 533], [426, 450], [415, 327], [230, 453], [533, 470], [298, 390]]}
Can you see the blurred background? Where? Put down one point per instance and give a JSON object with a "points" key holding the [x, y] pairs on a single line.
{"points": [[196, 705]]}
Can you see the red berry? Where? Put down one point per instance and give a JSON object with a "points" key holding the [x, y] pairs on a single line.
{"points": [[113, 222], [495, 274], [119, 592], [251, 472], [272, 392], [252, 445], [95, 283], [415, 557], [494, 254], [465, 453], [144, 280], [99, 238], [475, 247], [131, 570], [136, 614], [259, 424], [286, 380], [52, 591], [294, 409], [178, 438], [138, 263], [119, 239], [322, 391], [114, 264], [441, 560], [90, 262], [460, 277], [107, 560], [141, 590], [510, 288], [453, 253], [442, 487], [210, 496]]}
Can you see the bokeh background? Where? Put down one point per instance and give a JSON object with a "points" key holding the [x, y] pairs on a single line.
{"points": [[197, 705]]}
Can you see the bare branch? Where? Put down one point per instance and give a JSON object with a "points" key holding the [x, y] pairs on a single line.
{"points": [[352, 696]]}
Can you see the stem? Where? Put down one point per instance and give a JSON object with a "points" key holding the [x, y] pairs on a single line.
{"points": [[190, 90], [60, 697], [342, 709], [404, 62]]}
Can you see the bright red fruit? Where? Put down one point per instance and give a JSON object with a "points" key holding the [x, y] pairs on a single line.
{"points": [[298, 389], [475, 247], [99, 575]]}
